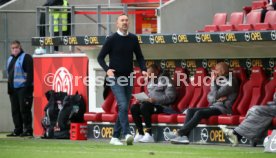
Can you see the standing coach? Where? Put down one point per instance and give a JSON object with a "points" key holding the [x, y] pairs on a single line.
{"points": [[20, 90], [120, 47]]}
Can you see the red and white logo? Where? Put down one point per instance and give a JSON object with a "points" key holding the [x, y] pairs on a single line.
{"points": [[63, 81]]}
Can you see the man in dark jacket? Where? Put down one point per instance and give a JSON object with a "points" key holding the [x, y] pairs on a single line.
{"points": [[121, 47], [20, 89], [220, 98], [162, 94]]}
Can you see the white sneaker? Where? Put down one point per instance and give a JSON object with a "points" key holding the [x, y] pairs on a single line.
{"points": [[137, 138], [147, 138], [129, 139], [229, 133], [115, 141]]}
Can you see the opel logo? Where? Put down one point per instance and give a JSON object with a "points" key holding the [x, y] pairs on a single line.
{"points": [[41, 41], [174, 38], [163, 64], [167, 130], [86, 40], [271, 62], [204, 135], [198, 38], [151, 39], [204, 63], [183, 63], [65, 40], [244, 140], [222, 37], [248, 63], [247, 36], [96, 131], [273, 35]]}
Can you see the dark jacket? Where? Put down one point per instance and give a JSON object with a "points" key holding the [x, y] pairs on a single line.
{"points": [[229, 91]]}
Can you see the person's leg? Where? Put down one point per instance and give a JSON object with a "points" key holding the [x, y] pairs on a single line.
{"points": [[26, 102], [123, 104], [198, 115], [16, 115], [263, 14], [190, 114], [147, 109], [136, 115]]}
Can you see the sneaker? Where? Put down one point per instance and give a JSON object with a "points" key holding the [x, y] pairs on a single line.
{"points": [[13, 134], [137, 138], [170, 135], [115, 141], [129, 139], [229, 133], [147, 139], [26, 134], [180, 140]]}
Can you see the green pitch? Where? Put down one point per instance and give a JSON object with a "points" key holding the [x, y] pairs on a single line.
{"points": [[38, 148]]}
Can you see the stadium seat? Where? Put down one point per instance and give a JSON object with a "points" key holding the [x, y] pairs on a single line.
{"points": [[252, 18], [219, 19], [270, 89], [165, 118], [258, 4], [240, 74], [252, 91], [194, 92], [274, 122], [235, 19], [269, 23]]}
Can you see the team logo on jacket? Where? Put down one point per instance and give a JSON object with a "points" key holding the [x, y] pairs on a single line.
{"points": [[63, 81]]}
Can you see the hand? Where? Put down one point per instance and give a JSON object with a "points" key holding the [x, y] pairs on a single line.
{"points": [[222, 99], [110, 72], [145, 73], [151, 100]]}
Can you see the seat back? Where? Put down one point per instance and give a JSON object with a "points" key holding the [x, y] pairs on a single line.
{"points": [[270, 17], [270, 89], [107, 104], [236, 18], [240, 74], [181, 75], [252, 90], [258, 4], [194, 90], [220, 19], [253, 17]]}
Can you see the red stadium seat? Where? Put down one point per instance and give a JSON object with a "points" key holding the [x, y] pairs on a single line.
{"points": [[240, 74], [219, 19], [252, 95], [252, 18], [269, 23], [258, 4], [194, 93], [274, 122], [165, 118], [270, 89], [235, 19]]}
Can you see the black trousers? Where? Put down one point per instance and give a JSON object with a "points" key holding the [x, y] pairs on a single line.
{"points": [[145, 110], [21, 107], [194, 116]]}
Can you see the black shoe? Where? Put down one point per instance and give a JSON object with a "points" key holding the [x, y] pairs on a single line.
{"points": [[26, 134], [14, 134]]}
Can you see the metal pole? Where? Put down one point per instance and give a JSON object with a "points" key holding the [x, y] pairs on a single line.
{"points": [[72, 25], [37, 22], [6, 38], [108, 20], [125, 9], [99, 20], [159, 17]]}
